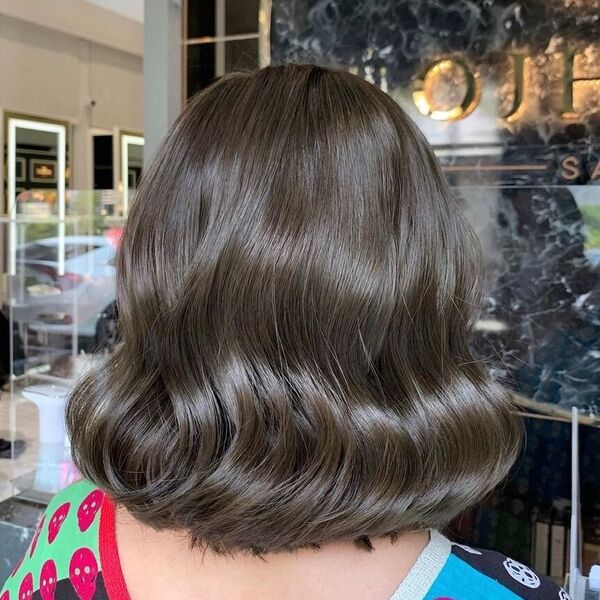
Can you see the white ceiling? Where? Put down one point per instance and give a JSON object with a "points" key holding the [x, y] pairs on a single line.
{"points": [[133, 9]]}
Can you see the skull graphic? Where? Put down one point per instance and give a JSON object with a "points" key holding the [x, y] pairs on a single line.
{"points": [[36, 536], [58, 518], [48, 580], [88, 508], [26, 588], [83, 570], [5, 596], [524, 575]]}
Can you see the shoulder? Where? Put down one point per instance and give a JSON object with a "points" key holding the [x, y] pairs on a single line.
{"points": [[499, 575], [67, 533]]}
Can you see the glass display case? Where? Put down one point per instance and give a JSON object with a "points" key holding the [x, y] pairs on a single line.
{"points": [[58, 317]]}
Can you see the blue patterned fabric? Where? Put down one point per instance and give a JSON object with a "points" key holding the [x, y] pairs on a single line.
{"points": [[471, 574]]}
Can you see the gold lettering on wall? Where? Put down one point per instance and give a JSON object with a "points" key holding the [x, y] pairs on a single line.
{"points": [[437, 92], [574, 167], [573, 84], [570, 168], [521, 78]]}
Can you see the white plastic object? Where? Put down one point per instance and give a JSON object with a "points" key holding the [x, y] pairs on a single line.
{"points": [[50, 400], [52, 461], [594, 578]]}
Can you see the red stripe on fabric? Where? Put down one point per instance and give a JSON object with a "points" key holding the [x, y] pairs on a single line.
{"points": [[114, 582]]}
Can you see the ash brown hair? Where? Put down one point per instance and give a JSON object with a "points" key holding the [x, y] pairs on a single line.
{"points": [[296, 288]]}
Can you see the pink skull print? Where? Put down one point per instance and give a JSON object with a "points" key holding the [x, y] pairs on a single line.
{"points": [[36, 536], [58, 518], [5, 596], [26, 588], [83, 570], [48, 580], [88, 508]]}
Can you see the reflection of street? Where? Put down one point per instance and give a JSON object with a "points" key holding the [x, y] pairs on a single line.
{"points": [[50, 297]]}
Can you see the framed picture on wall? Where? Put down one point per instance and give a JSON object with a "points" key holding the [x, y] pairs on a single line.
{"points": [[42, 170], [20, 168]]}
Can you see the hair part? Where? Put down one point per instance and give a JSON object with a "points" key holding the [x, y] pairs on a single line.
{"points": [[296, 290]]}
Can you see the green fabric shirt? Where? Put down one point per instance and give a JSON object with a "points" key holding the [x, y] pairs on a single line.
{"points": [[63, 560]]}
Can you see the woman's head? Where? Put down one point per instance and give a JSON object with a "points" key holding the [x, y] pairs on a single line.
{"points": [[295, 288]]}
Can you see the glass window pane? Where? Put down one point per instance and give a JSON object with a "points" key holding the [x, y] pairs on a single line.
{"points": [[200, 67], [241, 55], [200, 18], [241, 16]]}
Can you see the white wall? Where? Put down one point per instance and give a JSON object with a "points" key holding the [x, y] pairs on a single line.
{"points": [[80, 19], [134, 9], [52, 74]]}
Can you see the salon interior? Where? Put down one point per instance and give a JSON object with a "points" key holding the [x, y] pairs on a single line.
{"points": [[508, 94]]}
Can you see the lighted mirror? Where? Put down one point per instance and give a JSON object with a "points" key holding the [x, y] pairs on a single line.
{"points": [[132, 158], [36, 174]]}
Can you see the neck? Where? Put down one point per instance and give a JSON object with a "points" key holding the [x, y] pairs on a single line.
{"points": [[154, 559]]}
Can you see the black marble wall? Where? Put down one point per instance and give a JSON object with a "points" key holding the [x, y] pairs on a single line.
{"points": [[529, 184], [403, 35]]}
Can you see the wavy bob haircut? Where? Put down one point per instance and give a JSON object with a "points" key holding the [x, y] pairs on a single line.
{"points": [[296, 287]]}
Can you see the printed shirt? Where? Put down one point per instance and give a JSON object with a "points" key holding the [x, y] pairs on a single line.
{"points": [[73, 554]]}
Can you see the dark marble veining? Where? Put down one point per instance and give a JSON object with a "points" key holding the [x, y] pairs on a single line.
{"points": [[401, 34], [541, 329], [540, 222]]}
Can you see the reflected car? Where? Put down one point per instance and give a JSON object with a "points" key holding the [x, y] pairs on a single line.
{"points": [[70, 301]]}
